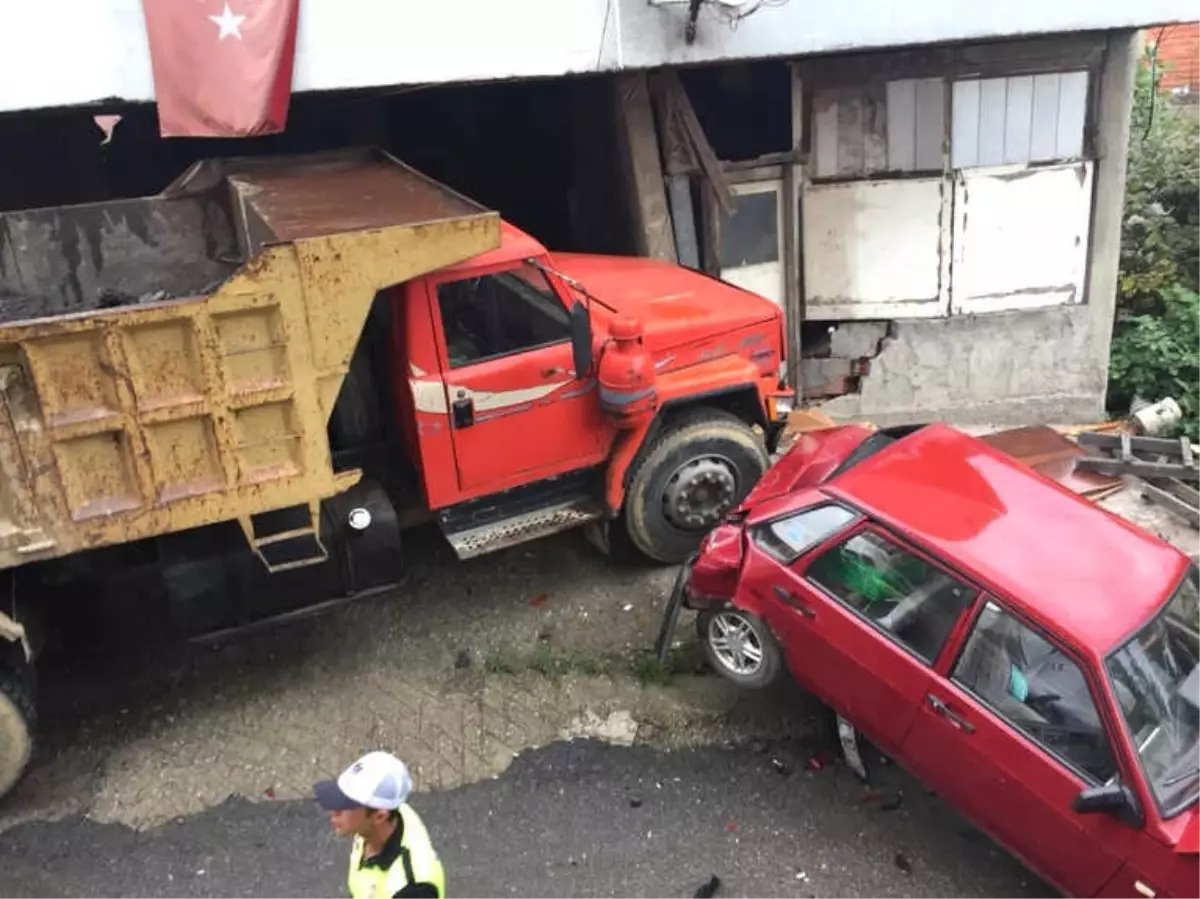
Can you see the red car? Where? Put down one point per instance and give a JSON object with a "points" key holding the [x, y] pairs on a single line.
{"points": [[1029, 656]]}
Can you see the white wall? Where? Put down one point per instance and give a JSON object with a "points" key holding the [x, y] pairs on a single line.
{"points": [[67, 52]]}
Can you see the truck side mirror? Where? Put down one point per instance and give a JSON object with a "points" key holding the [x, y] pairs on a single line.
{"points": [[1112, 797], [581, 339]]}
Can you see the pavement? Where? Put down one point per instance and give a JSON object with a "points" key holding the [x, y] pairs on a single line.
{"points": [[579, 818]]}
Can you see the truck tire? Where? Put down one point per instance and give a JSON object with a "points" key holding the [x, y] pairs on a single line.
{"points": [[698, 468], [16, 727]]}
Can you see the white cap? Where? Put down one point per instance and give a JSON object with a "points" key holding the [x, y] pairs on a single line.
{"points": [[378, 780]]}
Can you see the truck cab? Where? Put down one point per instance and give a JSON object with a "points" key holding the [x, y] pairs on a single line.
{"points": [[494, 365]]}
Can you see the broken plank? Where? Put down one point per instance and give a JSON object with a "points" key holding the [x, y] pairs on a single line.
{"points": [[1189, 495], [1147, 470], [1155, 445], [1169, 501]]}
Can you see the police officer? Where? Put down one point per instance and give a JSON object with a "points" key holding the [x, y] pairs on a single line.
{"points": [[392, 855]]}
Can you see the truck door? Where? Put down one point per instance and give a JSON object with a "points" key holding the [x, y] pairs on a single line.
{"points": [[515, 406]]}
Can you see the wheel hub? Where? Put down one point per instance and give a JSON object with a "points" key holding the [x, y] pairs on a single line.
{"points": [[699, 493], [735, 644]]}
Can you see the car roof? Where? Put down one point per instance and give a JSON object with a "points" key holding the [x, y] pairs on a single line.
{"points": [[1055, 557]]}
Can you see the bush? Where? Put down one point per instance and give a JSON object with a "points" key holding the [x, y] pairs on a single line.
{"points": [[1155, 350], [1154, 355]]}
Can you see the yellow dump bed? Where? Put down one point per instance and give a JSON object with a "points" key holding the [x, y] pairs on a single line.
{"points": [[171, 361]]}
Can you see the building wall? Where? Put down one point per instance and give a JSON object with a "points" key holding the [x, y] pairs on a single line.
{"points": [[1048, 364], [363, 43]]}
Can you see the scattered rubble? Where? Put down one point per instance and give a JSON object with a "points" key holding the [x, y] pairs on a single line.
{"points": [[619, 728]]}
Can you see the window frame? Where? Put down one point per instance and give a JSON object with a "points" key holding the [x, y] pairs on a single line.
{"points": [[866, 523], [856, 517], [1103, 712], [1120, 722], [509, 267]]}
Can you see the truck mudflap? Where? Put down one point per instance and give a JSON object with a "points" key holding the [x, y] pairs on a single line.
{"points": [[172, 361]]}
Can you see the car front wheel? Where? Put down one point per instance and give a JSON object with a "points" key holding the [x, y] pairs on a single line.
{"points": [[739, 646]]}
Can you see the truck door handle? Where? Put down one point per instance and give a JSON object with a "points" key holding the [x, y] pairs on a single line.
{"points": [[795, 602], [462, 412], [944, 710]]}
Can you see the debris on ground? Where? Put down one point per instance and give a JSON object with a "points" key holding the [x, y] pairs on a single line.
{"points": [[781, 767], [635, 803], [463, 659], [848, 737], [894, 803], [539, 600], [618, 728], [1167, 467], [1054, 455], [817, 761], [903, 863], [708, 890]]}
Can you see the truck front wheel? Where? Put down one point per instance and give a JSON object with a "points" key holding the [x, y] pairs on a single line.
{"points": [[696, 470], [16, 726]]}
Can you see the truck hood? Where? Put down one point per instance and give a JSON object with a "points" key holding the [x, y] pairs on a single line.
{"points": [[675, 304]]}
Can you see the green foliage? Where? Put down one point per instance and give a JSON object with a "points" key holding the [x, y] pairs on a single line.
{"points": [[1155, 343], [1154, 355]]}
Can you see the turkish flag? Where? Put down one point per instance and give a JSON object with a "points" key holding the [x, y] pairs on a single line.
{"points": [[222, 68]]}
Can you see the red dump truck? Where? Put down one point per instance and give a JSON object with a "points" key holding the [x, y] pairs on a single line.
{"points": [[232, 397]]}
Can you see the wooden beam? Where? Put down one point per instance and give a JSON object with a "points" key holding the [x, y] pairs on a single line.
{"points": [[1138, 468], [653, 233], [680, 106]]}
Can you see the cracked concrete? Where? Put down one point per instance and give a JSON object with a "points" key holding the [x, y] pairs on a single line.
{"points": [[1006, 368]]}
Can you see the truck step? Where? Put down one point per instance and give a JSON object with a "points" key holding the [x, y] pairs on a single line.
{"points": [[287, 538], [562, 516]]}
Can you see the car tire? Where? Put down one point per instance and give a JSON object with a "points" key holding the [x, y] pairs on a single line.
{"points": [[701, 466], [716, 628], [17, 716]]}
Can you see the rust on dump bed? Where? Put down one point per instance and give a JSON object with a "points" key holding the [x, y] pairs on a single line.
{"points": [[163, 414]]}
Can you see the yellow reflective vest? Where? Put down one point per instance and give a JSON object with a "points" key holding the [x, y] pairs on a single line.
{"points": [[416, 863]]}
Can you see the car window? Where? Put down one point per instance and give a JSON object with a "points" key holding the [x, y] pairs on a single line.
{"points": [[911, 599], [1156, 679], [785, 539], [501, 313], [1037, 688]]}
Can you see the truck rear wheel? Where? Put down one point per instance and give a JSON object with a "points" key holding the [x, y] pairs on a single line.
{"points": [[16, 727], [697, 469]]}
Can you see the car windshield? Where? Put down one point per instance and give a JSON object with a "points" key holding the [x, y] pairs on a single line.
{"points": [[1157, 682]]}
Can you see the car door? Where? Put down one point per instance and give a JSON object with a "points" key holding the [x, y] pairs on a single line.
{"points": [[1010, 738], [516, 408], [864, 616]]}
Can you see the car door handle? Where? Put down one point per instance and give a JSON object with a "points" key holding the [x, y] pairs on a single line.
{"points": [[944, 710], [553, 372], [795, 602]]}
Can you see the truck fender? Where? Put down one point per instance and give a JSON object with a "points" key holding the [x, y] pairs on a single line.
{"points": [[14, 632], [715, 383]]}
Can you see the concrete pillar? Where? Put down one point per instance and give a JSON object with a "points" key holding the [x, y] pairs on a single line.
{"points": [[1113, 110]]}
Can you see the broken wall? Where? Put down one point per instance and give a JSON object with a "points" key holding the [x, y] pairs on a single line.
{"points": [[1004, 368]]}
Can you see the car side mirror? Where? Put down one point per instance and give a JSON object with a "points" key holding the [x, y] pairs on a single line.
{"points": [[581, 339], [1115, 798]]}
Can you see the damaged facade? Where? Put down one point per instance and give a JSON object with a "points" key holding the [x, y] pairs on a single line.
{"points": [[932, 194]]}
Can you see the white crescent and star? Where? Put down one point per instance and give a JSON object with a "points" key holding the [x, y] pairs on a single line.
{"points": [[230, 24]]}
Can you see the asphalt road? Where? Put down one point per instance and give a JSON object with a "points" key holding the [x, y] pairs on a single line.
{"points": [[571, 819]]}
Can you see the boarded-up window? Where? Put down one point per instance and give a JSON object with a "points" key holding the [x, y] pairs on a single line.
{"points": [[893, 127], [1022, 119]]}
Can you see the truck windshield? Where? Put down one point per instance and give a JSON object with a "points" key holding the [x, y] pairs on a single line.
{"points": [[1157, 682]]}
